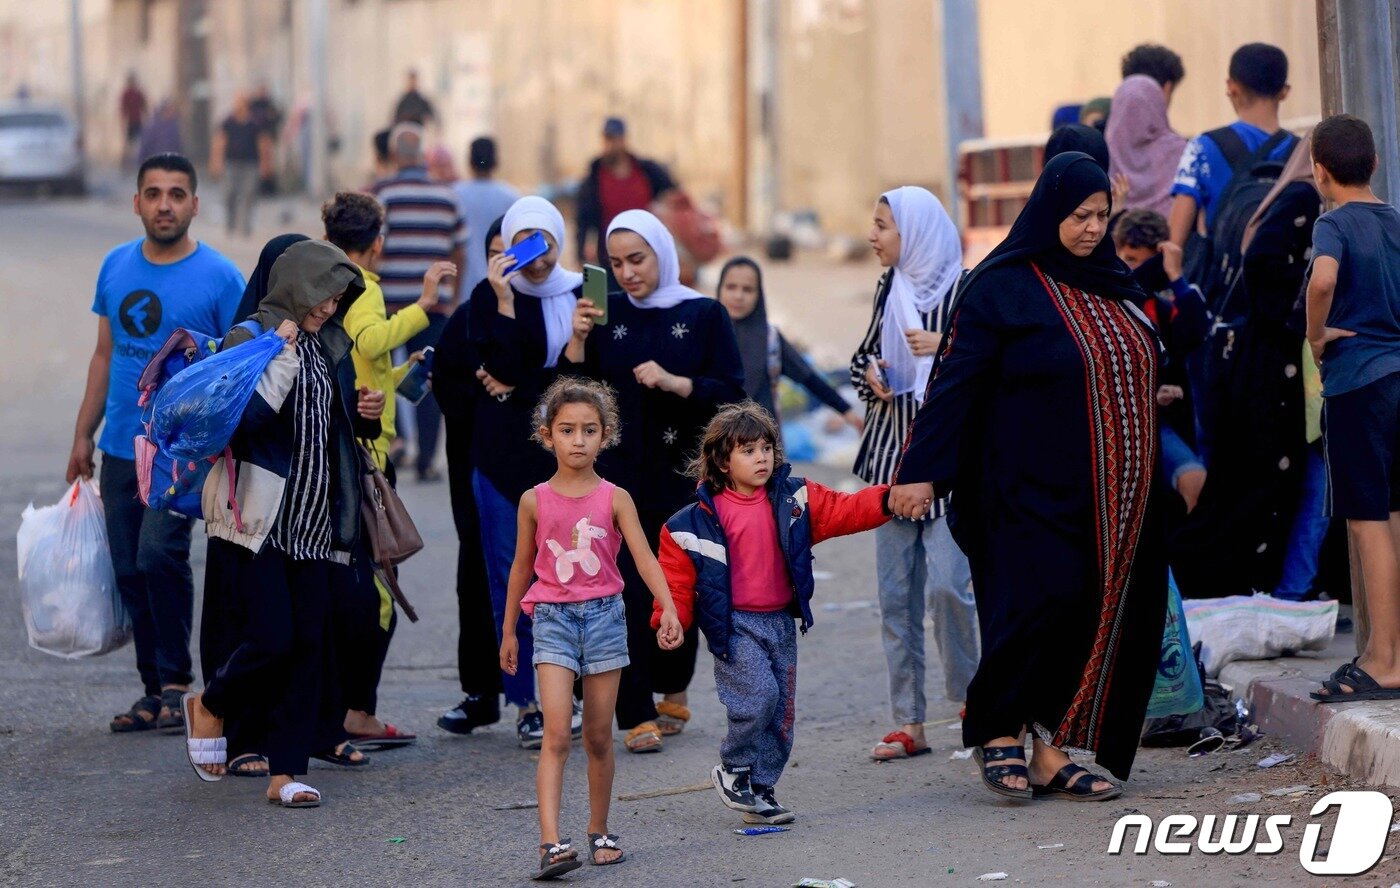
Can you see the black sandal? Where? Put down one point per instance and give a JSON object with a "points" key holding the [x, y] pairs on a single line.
{"points": [[134, 722], [345, 757], [556, 860], [1362, 685], [600, 841], [1069, 785], [238, 766], [993, 774], [174, 721]]}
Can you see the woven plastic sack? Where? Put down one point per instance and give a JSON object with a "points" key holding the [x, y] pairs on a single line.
{"points": [[198, 410], [1258, 627], [67, 586]]}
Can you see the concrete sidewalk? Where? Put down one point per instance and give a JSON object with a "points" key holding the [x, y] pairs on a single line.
{"points": [[1362, 740]]}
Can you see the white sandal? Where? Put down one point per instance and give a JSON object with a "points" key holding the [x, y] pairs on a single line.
{"points": [[289, 792], [202, 750]]}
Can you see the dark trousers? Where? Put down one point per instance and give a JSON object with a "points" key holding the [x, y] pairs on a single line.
{"points": [[427, 413], [360, 645], [151, 557], [652, 670], [478, 652], [274, 671]]}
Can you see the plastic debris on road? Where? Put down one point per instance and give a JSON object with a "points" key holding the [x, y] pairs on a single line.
{"points": [[1051, 847], [1277, 758], [1245, 798], [396, 840], [1160, 883], [1291, 790], [960, 754], [824, 883], [517, 806], [991, 877], [760, 830]]}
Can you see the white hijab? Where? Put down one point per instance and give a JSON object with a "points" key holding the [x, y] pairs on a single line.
{"points": [[930, 257], [556, 293], [669, 290]]}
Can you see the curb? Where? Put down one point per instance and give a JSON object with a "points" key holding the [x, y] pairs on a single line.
{"points": [[1361, 740]]}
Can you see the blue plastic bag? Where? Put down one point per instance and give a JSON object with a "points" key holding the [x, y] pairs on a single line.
{"points": [[1177, 690], [198, 410]]}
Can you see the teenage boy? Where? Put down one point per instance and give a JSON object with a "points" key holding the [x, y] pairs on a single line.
{"points": [[1354, 330], [1256, 86], [146, 289]]}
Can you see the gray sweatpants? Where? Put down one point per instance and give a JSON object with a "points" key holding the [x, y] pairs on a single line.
{"points": [[918, 565], [758, 685]]}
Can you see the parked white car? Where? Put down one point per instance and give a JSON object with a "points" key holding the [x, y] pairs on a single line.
{"points": [[40, 144]]}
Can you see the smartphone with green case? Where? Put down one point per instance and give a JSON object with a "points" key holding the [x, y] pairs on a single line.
{"points": [[595, 290]]}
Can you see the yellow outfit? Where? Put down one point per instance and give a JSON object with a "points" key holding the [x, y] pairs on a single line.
{"points": [[376, 336]]}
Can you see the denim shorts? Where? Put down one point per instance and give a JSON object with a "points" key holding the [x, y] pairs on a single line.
{"points": [[588, 637]]}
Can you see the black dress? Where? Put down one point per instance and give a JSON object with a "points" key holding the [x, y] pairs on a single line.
{"points": [[660, 431], [1041, 420]]}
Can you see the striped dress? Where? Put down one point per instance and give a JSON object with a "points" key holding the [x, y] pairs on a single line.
{"points": [[303, 526], [887, 422]]}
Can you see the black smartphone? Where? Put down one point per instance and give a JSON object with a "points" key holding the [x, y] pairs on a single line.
{"points": [[595, 290], [414, 385]]}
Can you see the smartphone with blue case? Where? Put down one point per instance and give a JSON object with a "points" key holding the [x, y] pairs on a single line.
{"points": [[528, 250], [414, 386]]}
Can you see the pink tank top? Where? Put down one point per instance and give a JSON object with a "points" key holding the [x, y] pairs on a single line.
{"points": [[576, 546]]}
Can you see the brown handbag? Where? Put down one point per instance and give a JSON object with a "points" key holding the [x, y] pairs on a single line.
{"points": [[392, 536]]}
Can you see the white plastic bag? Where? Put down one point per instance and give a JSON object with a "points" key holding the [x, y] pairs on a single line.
{"points": [[1257, 627], [66, 582]]}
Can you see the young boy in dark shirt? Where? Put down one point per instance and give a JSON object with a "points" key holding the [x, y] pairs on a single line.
{"points": [[1354, 330]]}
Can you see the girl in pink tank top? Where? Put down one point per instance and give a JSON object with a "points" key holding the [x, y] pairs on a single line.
{"points": [[571, 529]]}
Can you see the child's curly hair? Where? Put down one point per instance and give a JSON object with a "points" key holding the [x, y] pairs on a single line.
{"points": [[733, 426], [574, 390]]}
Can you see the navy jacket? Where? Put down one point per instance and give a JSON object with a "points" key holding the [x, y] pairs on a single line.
{"points": [[695, 555]]}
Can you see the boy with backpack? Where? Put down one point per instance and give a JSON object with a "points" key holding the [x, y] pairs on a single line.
{"points": [[1216, 163], [1354, 330]]}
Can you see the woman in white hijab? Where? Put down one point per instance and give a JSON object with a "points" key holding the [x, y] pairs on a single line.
{"points": [[917, 562], [520, 319], [670, 353]]}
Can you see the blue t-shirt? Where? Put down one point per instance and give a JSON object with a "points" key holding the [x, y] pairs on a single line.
{"points": [[1204, 170], [144, 304], [1364, 238], [483, 202]]}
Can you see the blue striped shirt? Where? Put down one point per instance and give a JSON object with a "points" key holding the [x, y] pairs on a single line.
{"points": [[423, 224]]}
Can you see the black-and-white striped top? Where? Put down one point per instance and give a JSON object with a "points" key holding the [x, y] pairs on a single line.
{"points": [[887, 422], [303, 526]]}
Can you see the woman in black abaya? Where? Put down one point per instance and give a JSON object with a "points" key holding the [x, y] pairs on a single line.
{"points": [[1041, 421]]}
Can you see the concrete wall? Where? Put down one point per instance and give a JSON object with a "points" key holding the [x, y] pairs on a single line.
{"points": [[858, 82], [1037, 54]]}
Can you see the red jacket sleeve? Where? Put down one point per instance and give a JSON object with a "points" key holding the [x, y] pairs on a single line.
{"points": [[680, 578], [840, 514]]}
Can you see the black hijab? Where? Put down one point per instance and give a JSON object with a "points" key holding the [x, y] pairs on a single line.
{"points": [[1035, 237], [1078, 137], [261, 279], [751, 332]]}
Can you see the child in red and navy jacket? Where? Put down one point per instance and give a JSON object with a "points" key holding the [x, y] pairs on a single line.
{"points": [[739, 563]]}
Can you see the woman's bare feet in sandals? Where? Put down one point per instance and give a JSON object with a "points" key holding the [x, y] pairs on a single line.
{"points": [[274, 790], [1047, 761], [358, 723], [1010, 781], [906, 742], [205, 725]]}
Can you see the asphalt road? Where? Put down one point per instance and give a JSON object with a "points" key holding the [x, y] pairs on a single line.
{"points": [[80, 806]]}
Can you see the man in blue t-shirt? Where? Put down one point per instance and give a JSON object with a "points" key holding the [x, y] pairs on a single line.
{"points": [[145, 290], [1354, 331], [1257, 85]]}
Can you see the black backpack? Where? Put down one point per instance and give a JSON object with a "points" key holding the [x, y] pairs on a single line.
{"points": [[1213, 261]]}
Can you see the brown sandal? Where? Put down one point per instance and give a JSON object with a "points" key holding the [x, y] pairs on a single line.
{"points": [[645, 737], [671, 718]]}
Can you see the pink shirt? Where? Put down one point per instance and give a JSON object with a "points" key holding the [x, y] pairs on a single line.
{"points": [[576, 545], [758, 574]]}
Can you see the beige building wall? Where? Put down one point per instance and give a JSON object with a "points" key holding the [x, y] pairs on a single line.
{"points": [[1037, 54], [860, 105]]}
